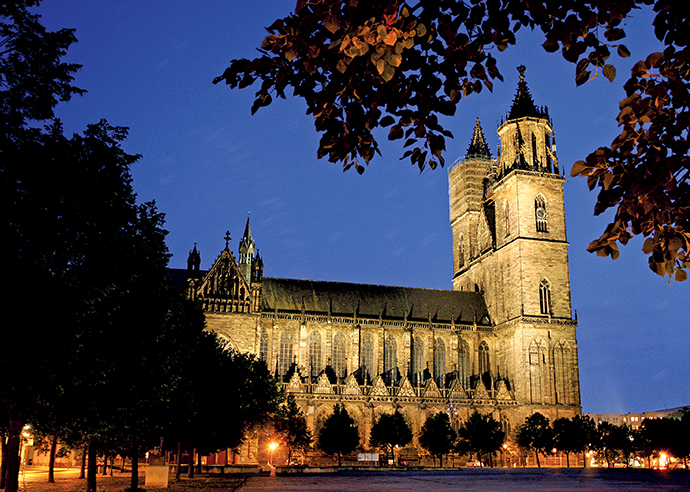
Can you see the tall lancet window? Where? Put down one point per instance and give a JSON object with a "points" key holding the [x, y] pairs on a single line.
{"points": [[440, 363], [417, 360], [390, 360], [315, 359], [507, 216], [485, 365], [339, 362], [540, 214], [263, 345], [367, 357], [545, 297], [285, 356], [461, 252]]}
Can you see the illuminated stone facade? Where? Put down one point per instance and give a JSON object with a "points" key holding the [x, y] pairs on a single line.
{"points": [[502, 342]]}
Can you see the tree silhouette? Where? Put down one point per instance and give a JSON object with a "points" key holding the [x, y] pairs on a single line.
{"points": [[389, 431], [535, 435], [437, 435], [339, 434], [481, 434]]}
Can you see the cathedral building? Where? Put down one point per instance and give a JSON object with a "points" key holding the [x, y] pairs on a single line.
{"points": [[502, 342]]}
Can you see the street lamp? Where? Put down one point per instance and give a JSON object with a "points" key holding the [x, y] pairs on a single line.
{"points": [[272, 447]]}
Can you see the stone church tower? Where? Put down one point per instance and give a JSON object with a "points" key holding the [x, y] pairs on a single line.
{"points": [[502, 342], [509, 243]]}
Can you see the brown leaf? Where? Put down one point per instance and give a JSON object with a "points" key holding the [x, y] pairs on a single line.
{"points": [[610, 72], [331, 23], [623, 51]]}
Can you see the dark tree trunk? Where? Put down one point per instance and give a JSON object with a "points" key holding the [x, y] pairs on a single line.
{"points": [[491, 460], [190, 470], [567, 459], [82, 471], [536, 453], [13, 440], [123, 468], [134, 483], [3, 466], [584, 459], [51, 459], [178, 460], [92, 465], [105, 464], [198, 463]]}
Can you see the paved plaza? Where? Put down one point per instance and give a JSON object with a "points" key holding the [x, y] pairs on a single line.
{"points": [[495, 480]]}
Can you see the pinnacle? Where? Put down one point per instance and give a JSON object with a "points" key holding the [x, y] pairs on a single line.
{"points": [[478, 146]]}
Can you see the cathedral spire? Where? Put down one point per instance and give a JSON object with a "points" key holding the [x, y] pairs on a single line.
{"points": [[247, 248], [523, 104], [478, 147]]}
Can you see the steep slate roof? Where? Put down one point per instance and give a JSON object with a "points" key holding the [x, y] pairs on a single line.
{"points": [[478, 146], [523, 104], [372, 301]]}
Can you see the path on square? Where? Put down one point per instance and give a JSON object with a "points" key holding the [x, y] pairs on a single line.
{"points": [[496, 480]]}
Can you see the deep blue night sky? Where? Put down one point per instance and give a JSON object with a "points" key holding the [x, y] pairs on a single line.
{"points": [[207, 162]]}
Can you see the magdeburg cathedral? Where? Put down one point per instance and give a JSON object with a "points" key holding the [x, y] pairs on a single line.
{"points": [[502, 342]]}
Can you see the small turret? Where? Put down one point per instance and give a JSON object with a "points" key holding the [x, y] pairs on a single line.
{"points": [[193, 262]]}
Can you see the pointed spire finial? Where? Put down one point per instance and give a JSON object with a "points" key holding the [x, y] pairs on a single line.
{"points": [[227, 239], [522, 70], [478, 147], [523, 104]]}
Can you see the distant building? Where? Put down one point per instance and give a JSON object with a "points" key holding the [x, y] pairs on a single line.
{"points": [[502, 342], [634, 420]]}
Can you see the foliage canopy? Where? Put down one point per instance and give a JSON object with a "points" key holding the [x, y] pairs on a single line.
{"points": [[390, 63], [339, 434]]}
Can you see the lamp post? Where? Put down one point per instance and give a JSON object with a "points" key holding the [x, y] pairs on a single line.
{"points": [[271, 448]]}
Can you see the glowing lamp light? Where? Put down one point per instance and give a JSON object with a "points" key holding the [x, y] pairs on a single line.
{"points": [[273, 446]]}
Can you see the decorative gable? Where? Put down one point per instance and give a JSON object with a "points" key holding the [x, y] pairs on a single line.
{"points": [[295, 385], [406, 389], [224, 288], [323, 385], [502, 392], [351, 386], [457, 392], [378, 388], [431, 389]]}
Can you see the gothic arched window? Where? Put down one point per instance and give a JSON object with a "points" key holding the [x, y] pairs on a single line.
{"points": [[390, 360], [540, 214], [537, 363], [507, 217], [339, 355], [285, 355], [544, 297], [440, 362], [417, 360], [315, 359], [367, 352], [263, 345], [461, 252], [561, 367], [464, 367], [485, 365]]}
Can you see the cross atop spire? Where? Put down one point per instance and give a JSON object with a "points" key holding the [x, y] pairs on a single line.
{"points": [[227, 239], [478, 147]]}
